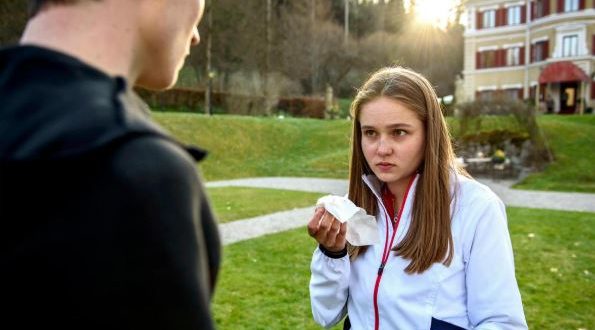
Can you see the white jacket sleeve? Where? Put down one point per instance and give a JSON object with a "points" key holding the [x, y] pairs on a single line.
{"points": [[493, 297], [329, 288]]}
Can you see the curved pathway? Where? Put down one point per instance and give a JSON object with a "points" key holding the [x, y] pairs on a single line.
{"points": [[276, 222]]}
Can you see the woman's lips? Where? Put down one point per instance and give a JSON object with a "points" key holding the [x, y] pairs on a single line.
{"points": [[385, 167]]}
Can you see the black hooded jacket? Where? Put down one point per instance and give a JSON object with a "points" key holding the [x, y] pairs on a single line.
{"points": [[105, 223]]}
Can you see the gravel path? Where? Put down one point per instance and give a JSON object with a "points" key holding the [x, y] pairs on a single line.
{"points": [[276, 222]]}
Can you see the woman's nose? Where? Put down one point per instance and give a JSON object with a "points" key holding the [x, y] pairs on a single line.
{"points": [[384, 147]]}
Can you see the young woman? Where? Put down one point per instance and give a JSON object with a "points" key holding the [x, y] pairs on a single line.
{"points": [[444, 260]]}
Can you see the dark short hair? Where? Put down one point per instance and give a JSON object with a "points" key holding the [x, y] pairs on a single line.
{"points": [[36, 5]]}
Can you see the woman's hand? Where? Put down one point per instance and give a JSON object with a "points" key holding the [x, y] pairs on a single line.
{"points": [[327, 230]]}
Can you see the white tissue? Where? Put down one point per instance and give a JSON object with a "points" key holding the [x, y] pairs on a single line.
{"points": [[361, 227]]}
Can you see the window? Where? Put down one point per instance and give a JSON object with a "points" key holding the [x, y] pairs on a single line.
{"points": [[486, 95], [513, 56], [570, 5], [489, 18], [512, 94], [570, 46], [540, 51], [514, 15], [539, 10], [487, 59]]}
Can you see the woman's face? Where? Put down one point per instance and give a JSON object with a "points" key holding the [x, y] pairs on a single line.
{"points": [[393, 140]]}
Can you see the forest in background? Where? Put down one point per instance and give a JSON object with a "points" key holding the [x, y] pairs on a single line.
{"points": [[293, 48]]}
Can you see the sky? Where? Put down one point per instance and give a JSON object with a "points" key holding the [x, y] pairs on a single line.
{"points": [[435, 12]]}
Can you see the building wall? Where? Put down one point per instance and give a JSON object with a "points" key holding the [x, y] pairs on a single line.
{"points": [[546, 33]]}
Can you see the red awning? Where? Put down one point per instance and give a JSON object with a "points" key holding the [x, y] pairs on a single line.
{"points": [[562, 72]]}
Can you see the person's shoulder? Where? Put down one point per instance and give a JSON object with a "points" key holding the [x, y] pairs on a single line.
{"points": [[147, 162], [471, 192], [476, 205]]}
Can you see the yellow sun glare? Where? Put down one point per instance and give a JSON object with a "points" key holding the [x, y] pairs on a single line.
{"points": [[435, 12]]}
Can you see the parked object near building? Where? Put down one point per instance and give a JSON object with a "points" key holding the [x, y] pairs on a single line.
{"points": [[529, 49]]}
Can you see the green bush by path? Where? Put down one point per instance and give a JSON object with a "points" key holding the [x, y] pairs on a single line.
{"points": [[235, 203], [264, 281]]}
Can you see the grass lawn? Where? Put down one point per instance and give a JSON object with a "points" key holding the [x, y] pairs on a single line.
{"points": [[234, 203], [255, 146], [572, 140], [555, 266], [264, 282]]}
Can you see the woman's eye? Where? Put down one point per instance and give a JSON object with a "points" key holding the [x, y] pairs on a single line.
{"points": [[399, 132], [369, 132]]}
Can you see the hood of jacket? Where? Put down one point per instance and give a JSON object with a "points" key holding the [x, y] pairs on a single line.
{"points": [[53, 106]]}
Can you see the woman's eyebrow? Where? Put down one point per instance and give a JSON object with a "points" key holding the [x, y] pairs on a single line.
{"points": [[397, 125]]}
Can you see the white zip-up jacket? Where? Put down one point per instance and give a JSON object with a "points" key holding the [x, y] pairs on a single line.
{"points": [[477, 291]]}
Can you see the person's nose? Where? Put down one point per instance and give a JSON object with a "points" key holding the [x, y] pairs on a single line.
{"points": [[384, 147], [195, 37]]}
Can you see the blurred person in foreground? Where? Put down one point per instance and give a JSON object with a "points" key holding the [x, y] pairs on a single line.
{"points": [[105, 219]]}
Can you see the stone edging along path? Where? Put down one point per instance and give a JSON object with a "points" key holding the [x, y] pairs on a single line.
{"points": [[276, 222]]}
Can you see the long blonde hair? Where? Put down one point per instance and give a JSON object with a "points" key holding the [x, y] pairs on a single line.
{"points": [[429, 238]]}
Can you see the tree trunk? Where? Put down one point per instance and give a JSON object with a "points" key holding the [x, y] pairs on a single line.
{"points": [[208, 55], [267, 64], [346, 21], [313, 41]]}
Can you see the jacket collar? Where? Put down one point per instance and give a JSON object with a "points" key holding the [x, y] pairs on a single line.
{"points": [[375, 187]]}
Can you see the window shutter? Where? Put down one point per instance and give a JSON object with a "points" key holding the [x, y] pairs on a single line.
{"points": [[532, 59], [593, 44], [522, 56], [532, 11], [523, 14], [477, 60], [520, 91], [500, 14], [581, 4], [478, 20], [546, 50], [503, 14], [502, 57], [560, 6], [546, 7]]}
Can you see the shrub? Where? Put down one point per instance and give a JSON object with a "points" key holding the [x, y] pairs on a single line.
{"points": [[471, 120], [312, 107], [180, 98]]}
